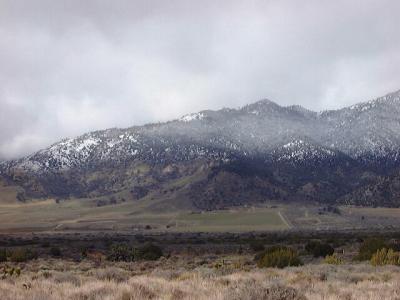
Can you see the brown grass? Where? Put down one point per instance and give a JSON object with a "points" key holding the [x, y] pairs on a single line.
{"points": [[169, 279]]}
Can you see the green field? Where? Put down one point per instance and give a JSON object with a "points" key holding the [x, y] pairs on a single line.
{"points": [[233, 220], [146, 215], [84, 215]]}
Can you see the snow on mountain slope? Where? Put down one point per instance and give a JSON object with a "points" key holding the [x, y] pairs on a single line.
{"points": [[214, 159], [364, 131], [299, 150]]}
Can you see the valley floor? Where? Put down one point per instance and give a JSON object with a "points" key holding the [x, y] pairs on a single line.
{"points": [[83, 215], [177, 278]]}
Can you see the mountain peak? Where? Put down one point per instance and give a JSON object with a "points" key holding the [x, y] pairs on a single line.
{"points": [[263, 102], [261, 106], [335, 147]]}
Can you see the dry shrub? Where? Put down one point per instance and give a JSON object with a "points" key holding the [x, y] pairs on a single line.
{"points": [[259, 292], [110, 274], [126, 295], [95, 290], [356, 281], [66, 277], [385, 257], [9, 271], [301, 278], [386, 277], [333, 260], [186, 276], [22, 255], [369, 247], [178, 294], [279, 257], [142, 292]]}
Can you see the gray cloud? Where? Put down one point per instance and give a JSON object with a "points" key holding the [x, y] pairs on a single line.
{"points": [[67, 67]]}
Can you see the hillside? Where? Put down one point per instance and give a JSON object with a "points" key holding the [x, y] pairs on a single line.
{"points": [[230, 157]]}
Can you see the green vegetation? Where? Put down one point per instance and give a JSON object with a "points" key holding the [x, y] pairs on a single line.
{"points": [[7, 271], [333, 260], [369, 247], [172, 216], [149, 252], [318, 249], [257, 246], [55, 251], [22, 255], [385, 256], [279, 257], [125, 252], [3, 255], [121, 252], [236, 220]]}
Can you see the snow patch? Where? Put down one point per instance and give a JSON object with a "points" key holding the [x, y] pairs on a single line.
{"points": [[192, 117], [87, 143]]}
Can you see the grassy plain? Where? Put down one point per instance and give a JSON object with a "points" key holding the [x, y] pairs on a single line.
{"points": [[85, 214], [180, 278]]}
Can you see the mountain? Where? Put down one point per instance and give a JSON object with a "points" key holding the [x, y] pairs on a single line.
{"points": [[216, 159]]}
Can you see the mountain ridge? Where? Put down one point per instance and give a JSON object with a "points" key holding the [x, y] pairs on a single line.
{"points": [[304, 153]]}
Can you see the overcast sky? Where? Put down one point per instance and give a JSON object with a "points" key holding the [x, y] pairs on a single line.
{"points": [[68, 67]]}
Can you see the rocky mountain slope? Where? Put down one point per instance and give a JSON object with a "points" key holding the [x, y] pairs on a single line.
{"points": [[215, 159]]}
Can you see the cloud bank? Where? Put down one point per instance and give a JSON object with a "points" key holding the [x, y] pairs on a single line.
{"points": [[67, 67]]}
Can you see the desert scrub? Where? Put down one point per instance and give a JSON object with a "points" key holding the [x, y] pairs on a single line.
{"points": [[125, 252], [279, 257], [256, 246], [333, 260], [3, 255], [55, 251], [149, 252], [369, 247], [318, 249], [22, 255], [7, 271], [385, 257], [121, 252]]}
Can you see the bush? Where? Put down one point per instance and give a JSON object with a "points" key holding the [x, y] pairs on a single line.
{"points": [[3, 255], [369, 247], [257, 246], [318, 249], [22, 255], [149, 252], [55, 251], [385, 256], [124, 252], [333, 260], [121, 252], [7, 271], [45, 244], [279, 257], [260, 255]]}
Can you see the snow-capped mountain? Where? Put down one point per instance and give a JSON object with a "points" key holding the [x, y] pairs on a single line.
{"points": [[332, 145]]}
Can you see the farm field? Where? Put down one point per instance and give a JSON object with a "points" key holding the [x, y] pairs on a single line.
{"points": [[81, 214], [234, 221], [85, 214]]}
